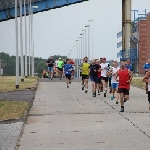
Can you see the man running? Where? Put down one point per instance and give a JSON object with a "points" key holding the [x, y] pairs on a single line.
{"points": [[85, 74], [73, 64], [99, 77], [60, 67], [146, 79], [104, 67], [114, 83], [125, 77], [68, 70], [93, 69], [146, 67], [56, 64], [50, 64]]}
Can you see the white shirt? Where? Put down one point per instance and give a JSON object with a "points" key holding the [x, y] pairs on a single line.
{"points": [[56, 62], [104, 71], [114, 70], [149, 85]]}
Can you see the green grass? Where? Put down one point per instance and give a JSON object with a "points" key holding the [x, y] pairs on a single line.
{"points": [[137, 81], [12, 109], [8, 83]]}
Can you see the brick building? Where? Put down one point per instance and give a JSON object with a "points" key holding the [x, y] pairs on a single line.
{"points": [[142, 42]]}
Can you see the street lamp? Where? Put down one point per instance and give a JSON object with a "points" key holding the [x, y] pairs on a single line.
{"points": [[32, 39], [80, 50], [92, 37], [17, 57], [25, 39], [77, 59], [83, 55], [21, 44], [88, 26]]}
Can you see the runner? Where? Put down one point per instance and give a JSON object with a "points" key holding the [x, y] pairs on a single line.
{"points": [[85, 74], [101, 88], [146, 79], [60, 67], [104, 67], [93, 69], [125, 77], [114, 82], [129, 65], [56, 64], [68, 70], [99, 77], [50, 64], [73, 64], [146, 67]]}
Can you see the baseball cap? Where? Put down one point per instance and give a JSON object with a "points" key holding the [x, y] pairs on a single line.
{"points": [[104, 58], [59, 58]]}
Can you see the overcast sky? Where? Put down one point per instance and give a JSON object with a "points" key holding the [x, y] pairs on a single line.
{"points": [[56, 31]]}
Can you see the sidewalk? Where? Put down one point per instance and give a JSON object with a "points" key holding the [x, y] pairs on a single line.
{"points": [[69, 119]]}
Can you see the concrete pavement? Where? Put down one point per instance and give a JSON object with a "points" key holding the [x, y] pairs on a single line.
{"points": [[69, 119]]}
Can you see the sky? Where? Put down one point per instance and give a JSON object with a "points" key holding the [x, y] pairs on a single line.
{"points": [[56, 31]]}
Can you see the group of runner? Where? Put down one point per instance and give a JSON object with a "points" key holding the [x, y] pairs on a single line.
{"points": [[101, 73]]}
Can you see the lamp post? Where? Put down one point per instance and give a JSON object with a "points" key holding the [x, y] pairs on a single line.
{"points": [[77, 59], [32, 39], [82, 38], [83, 44], [17, 55], [25, 39], [29, 7], [80, 50], [21, 44], [92, 37], [88, 26]]}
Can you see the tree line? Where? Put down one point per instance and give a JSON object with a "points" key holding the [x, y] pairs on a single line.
{"points": [[8, 64]]}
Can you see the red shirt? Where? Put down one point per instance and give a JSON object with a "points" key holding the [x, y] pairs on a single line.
{"points": [[99, 73], [123, 78]]}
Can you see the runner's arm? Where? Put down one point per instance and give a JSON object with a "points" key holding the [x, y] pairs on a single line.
{"points": [[145, 78]]}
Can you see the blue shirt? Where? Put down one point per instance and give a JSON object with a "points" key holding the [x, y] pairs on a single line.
{"points": [[146, 66], [68, 68], [129, 67]]}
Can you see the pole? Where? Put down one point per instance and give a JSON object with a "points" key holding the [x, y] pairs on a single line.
{"points": [[32, 42], [85, 44], [92, 39], [25, 39], [89, 42], [29, 5], [17, 58], [21, 44], [77, 62]]}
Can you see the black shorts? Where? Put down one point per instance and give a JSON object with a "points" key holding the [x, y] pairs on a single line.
{"points": [[105, 79], [85, 77], [149, 96], [60, 69], [123, 90], [110, 82], [99, 80], [68, 76]]}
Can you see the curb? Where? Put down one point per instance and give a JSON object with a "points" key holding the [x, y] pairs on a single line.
{"points": [[24, 119]]}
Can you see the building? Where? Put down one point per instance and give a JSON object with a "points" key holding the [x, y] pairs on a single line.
{"points": [[139, 51], [140, 40]]}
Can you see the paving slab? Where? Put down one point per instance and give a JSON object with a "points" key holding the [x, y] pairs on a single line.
{"points": [[9, 135], [69, 119]]}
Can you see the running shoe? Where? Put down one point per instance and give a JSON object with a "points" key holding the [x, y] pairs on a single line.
{"points": [[86, 91], [67, 86], [117, 102], [122, 110], [104, 94], [70, 82], [112, 98], [124, 100], [94, 94], [82, 88]]}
